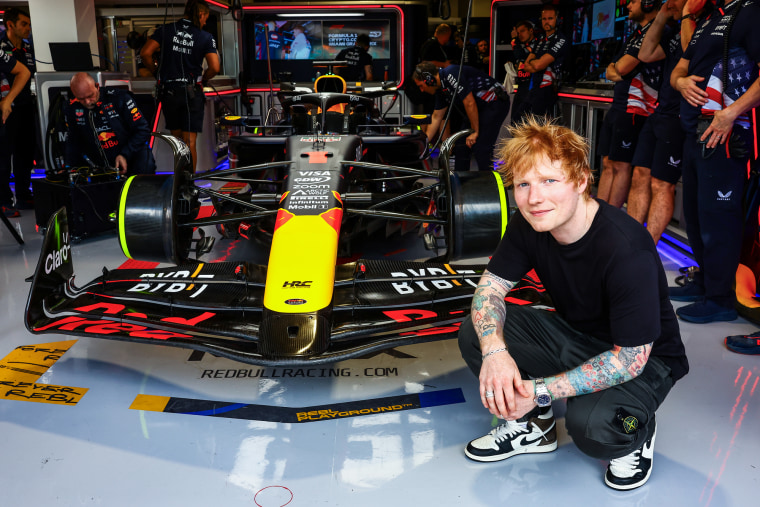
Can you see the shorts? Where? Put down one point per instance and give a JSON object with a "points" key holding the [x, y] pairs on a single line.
{"points": [[619, 135], [183, 108], [660, 147]]}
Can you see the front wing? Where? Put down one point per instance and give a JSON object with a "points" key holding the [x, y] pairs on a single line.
{"points": [[217, 307]]}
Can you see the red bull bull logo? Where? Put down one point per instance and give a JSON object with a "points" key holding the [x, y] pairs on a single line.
{"points": [[105, 136], [107, 140]]}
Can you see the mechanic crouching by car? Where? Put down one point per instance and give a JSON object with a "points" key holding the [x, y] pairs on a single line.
{"points": [[106, 129], [612, 348], [485, 103]]}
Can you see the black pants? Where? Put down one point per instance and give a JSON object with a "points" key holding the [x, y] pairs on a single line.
{"points": [[543, 344], [713, 189], [490, 118], [17, 145]]}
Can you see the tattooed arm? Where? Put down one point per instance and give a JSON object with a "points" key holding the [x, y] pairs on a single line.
{"points": [[605, 370], [489, 310], [499, 373]]}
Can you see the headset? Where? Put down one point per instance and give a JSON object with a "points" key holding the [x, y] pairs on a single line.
{"points": [[648, 5], [427, 77]]}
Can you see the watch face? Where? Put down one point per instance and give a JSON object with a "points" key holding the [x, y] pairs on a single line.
{"points": [[543, 400]]}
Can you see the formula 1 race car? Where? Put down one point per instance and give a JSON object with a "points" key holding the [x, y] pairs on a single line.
{"points": [[306, 190]]}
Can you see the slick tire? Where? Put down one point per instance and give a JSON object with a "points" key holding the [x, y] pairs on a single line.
{"points": [[149, 217]]}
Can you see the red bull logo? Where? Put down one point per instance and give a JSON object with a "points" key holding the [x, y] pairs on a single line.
{"points": [[105, 136], [107, 140]]}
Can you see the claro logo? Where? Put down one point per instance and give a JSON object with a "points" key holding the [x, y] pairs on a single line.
{"points": [[58, 257]]}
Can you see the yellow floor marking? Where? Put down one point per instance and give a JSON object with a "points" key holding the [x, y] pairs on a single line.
{"points": [[20, 370], [150, 403]]}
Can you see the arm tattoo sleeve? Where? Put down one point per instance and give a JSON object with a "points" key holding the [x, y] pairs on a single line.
{"points": [[488, 307], [606, 370]]}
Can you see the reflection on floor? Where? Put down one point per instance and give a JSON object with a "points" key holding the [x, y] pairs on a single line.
{"points": [[99, 451]]}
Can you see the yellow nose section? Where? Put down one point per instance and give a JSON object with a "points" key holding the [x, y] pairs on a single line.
{"points": [[301, 270]]}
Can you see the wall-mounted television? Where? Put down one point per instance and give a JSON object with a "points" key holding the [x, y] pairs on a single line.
{"points": [[290, 40]]}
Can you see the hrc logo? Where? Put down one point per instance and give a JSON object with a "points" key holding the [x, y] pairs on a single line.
{"points": [[294, 284]]}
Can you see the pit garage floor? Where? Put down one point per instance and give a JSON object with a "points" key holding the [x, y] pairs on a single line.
{"points": [[93, 449]]}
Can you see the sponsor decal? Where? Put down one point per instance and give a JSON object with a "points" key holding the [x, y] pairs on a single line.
{"points": [[297, 284], [271, 413], [412, 286], [56, 258], [726, 196], [107, 326], [295, 301], [325, 139], [162, 283], [105, 136]]}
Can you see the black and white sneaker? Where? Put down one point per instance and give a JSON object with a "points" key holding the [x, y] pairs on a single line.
{"points": [[537, 434], [632, 470]]}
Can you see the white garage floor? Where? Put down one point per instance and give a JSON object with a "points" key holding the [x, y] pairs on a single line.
{"points": [[99, 451]]}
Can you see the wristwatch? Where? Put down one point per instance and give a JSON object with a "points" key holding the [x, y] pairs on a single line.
{"points": [[543, 398]]}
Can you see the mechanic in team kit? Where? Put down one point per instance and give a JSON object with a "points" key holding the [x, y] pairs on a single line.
{"points": [[106, 129], [10, 66], [612, 348], [19, 139], [184, 46], [634, 99], [545, 65], [522, 44], [485, 104], [358, 60], [657, 160], [718, 81]]}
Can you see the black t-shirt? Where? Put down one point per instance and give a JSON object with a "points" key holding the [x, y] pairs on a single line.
{"points": [[184, 47], [669, 99], [24, 55], [432, 51], [705, 55], [356, 59], [609, 284]]}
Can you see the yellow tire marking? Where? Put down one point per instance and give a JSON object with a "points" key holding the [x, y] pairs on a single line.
{"points": [[20, 370]]}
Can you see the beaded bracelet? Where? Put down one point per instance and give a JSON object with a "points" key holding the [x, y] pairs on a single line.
{"points": [[503, 349]]}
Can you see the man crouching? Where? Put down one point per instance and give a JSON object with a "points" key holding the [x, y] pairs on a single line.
{"points": [[612, 348]]}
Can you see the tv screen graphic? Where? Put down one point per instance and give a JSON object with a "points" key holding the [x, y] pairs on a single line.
{"points": [[289, 40], [295, 41], [338, 36], [603, 26]]}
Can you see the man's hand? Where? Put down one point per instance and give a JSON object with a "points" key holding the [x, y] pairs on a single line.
{"points": [[471, 139], [499, 375], [693, 94], [121, 164], [5, 107], [720, 128], [523, 404]]}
